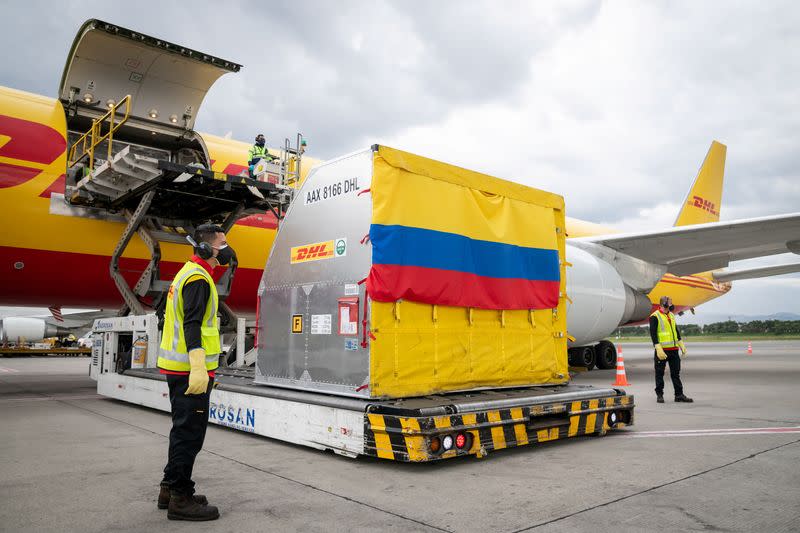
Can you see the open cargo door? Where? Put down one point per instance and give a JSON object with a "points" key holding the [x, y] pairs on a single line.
{"points": [[167, 82]]}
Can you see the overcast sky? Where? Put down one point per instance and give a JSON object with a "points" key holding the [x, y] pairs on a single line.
{"points": [[612, 104]]}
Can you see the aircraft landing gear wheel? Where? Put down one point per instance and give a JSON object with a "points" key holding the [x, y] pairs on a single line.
{"points": [[587, 357], [606, 354]]}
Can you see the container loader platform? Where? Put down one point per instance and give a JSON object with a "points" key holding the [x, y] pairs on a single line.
{"points": [[420, 429], [350, 360], [131, 101]]}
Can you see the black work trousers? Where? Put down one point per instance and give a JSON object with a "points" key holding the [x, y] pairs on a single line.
{"points": [[189, 423], [674, 360]]}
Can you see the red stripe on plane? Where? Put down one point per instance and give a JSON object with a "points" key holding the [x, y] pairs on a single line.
{"points": [[695, 285], [57, 186], [696, 279], [30, 141], [265, 221], [40, 277], [13, 175]]}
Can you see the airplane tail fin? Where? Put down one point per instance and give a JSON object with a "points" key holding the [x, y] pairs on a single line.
{"points": [[704, 200]]}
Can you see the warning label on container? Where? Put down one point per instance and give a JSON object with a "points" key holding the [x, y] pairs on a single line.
{"points": [[351, 289], [351, 345], [346, 325], [297, 323], [321, 324]]}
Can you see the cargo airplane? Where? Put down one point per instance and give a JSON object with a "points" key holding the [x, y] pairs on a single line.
{"points": [[56, 254]]}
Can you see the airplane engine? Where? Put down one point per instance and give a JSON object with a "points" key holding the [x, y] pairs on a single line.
{"points": [[29, 329], [601, 301]]}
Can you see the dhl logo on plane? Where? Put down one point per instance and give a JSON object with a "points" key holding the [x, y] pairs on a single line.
{"points": [[318, 251], [26, 149], [703, 204]]}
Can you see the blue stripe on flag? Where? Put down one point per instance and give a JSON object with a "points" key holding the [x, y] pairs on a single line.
{"points": [[406, 246]]}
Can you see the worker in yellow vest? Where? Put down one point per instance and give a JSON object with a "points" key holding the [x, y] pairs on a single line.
{"points": [[258, 151], [669, 348], [189, 354]]}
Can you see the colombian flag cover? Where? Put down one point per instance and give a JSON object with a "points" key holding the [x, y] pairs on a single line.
{"points": [[444, 235]]}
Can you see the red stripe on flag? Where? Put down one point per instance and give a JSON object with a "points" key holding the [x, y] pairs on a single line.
{"points": [[389, 283]]}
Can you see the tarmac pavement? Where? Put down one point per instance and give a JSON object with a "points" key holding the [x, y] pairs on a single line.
{"points": [[75, 461]]}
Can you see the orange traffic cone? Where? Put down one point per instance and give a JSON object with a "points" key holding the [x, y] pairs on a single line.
{"points": [[749, 347], [622, 379]]}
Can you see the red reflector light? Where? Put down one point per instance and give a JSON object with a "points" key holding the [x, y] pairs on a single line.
{"points": [[461, 440]]}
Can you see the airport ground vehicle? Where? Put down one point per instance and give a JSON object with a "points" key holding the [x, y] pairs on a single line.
{"points": [[339, 367], [428, 428]]}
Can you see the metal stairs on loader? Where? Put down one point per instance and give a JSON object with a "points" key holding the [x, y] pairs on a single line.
{"points": [[117, 179], [168, 207]]}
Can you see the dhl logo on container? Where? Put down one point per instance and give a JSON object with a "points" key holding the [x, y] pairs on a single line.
{"points": [[312, 252]]}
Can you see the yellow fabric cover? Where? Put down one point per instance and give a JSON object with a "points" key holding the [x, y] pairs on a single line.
{"points": [[422, 349]]}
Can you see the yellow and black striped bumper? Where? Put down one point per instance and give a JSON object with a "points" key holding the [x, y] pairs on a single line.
{"points": [[413, 439]]}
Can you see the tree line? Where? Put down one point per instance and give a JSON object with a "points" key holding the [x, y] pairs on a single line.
{"points": [[770, 327]]}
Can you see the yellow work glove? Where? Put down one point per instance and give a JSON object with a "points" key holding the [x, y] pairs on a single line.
{"points": [[198, 375], [660, 353], [683, 349]]}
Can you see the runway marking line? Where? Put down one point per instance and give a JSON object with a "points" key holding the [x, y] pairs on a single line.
{"points": [[706, 432], [6, 370]]}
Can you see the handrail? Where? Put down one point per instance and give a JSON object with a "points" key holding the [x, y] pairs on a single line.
{"points": [[93, 137]]}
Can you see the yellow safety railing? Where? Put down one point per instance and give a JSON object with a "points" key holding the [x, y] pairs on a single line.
{"points": [[89, 140]]}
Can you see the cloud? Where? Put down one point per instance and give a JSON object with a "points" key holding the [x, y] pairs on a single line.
{"points": [[617, 114], [612, 104]]}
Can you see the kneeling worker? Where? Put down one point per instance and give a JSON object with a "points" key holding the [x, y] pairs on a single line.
{"points": [[189, 354], [669, 348]]}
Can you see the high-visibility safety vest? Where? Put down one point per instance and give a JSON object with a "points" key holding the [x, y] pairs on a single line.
{"points": [[257, 152], [173, 354], [667, 330]]}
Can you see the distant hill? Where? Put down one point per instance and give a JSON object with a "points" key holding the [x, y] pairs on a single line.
{"points": [[709, 318]]}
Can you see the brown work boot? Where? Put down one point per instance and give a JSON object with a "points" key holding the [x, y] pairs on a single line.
{"points": [[183, 507], [163, 497]]}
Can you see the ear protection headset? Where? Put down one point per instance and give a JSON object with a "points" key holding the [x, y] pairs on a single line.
{"points": [[203, 250]]}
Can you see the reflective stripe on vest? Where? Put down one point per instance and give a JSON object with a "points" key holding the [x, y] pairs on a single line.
{"points": [[173, 354], [667, 330], [257, 151]]}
